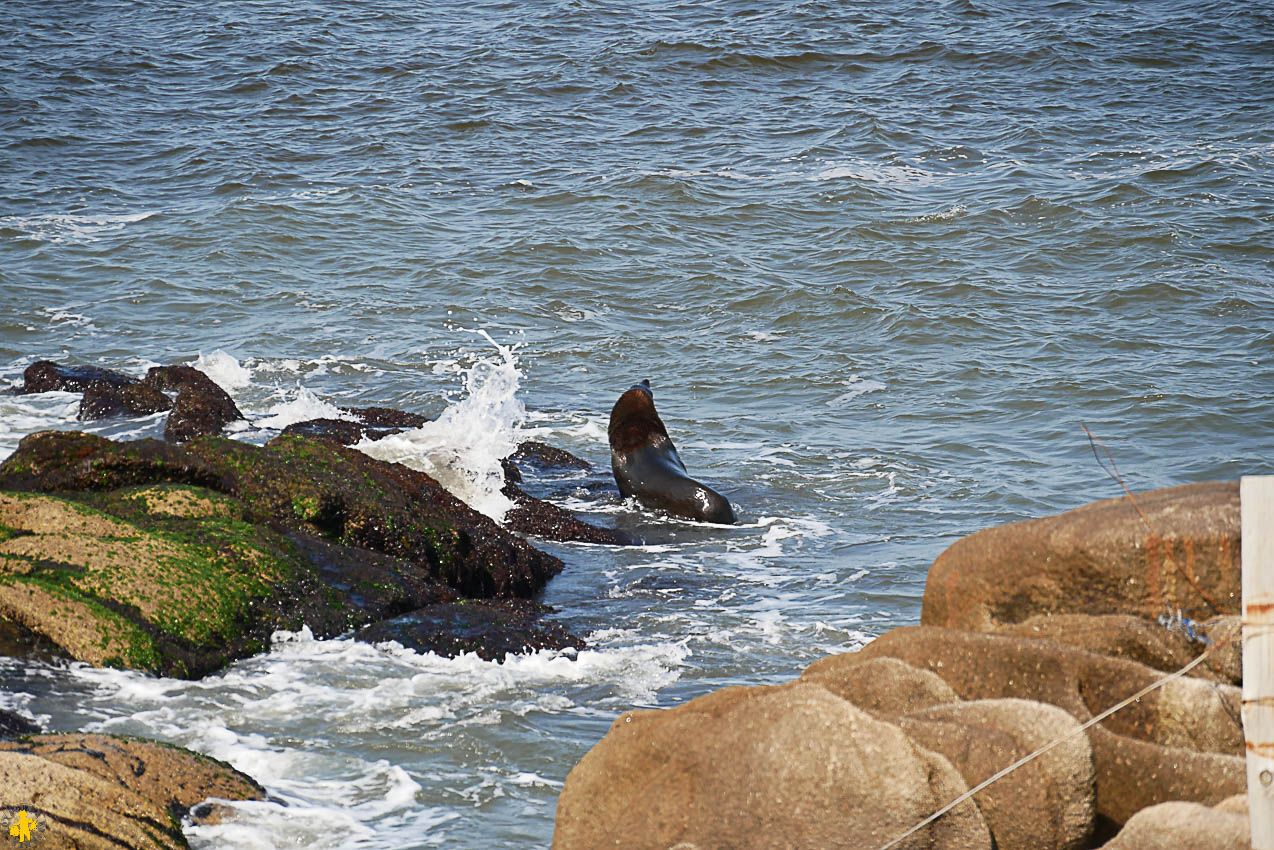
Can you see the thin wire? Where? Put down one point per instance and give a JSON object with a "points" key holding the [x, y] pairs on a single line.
{"points": [[1015, 765], [1094, 441]]}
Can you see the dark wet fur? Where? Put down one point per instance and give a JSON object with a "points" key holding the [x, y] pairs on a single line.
{"points": [[646, 464]]}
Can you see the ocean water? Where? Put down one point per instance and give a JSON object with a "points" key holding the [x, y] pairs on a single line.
{"points": [[880, 263]]}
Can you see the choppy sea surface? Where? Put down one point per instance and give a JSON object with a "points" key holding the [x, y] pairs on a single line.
{"points": [[879, 263]]}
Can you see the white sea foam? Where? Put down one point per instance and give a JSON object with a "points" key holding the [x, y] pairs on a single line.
{"points": [[26, 414], [856, 386], [303, 405], [463, 447], [274, 715], [67, 227], [224, 369]]}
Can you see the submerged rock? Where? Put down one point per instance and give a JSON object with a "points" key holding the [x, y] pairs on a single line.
{"points": [[373, 423], [103, 791], [491, 630]]}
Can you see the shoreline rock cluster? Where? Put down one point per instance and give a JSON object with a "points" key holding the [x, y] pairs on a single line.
{"points": [[177, 556], [1027, 631]]}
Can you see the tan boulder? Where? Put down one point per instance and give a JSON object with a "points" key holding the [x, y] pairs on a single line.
{"points": [[884, 687], [1098, 559], [1047, 803], [100, 791], [1184, 826], [1134, 638], [1181, 742], [792, 766]]}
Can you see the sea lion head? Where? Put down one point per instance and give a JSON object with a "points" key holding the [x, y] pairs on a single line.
{"points": [[633, 420]]}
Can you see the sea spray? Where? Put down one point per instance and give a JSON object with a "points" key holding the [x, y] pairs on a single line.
{"points": [[303, 406], [224, 369], [463, 447]]}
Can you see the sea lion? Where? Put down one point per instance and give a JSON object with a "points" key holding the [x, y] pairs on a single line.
{"points": [[646, 464]]}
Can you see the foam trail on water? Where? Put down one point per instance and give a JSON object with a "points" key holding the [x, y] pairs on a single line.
{"points": [[304, 406], [463, 447]]}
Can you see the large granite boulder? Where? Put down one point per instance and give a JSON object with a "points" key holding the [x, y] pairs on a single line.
{"points": [[1099, 559], [1144, 641], [1047, 803], [1185, 826], [101, 792], [791, 766], [1183, 741]]}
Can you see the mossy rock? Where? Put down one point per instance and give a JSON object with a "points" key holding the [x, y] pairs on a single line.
{"points": [[306, 485]]}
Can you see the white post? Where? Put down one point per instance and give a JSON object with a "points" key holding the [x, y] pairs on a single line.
{"points": [[1256, 497]]}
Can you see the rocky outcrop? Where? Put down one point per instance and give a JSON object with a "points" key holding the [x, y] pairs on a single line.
{"points": [[1181, 742], [1045, 624], [100, 791], [1103, 558], [179, 559], [790, 766], [202, 408], [1048, 803], [491, 630], [45, 376], [1144, 641]]}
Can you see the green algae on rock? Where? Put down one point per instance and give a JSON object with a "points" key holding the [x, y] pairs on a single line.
{"points": [[177, 560]]}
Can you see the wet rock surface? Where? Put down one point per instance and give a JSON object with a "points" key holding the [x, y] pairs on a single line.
{"points": [[202, 408], [491, 630], [177, 560], [45, 376]]}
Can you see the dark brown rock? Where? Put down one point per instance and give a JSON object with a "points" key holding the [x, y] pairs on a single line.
{"points": [[1183, 741], [52, 461], [342, 432], [542, 456], [45, 376], [14, 725], [202, 407], [387, 417], [537, 517], [491, 630], [102, 400], [1103, 558]]}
